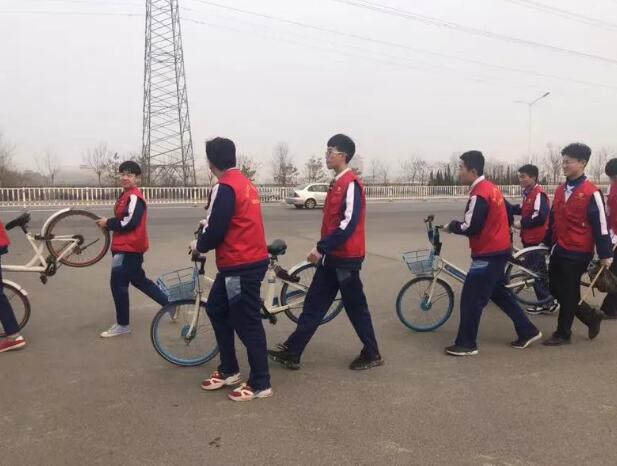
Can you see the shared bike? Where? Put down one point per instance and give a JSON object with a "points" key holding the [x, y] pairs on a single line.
{"points": [[181, 332], [68, 237], [426, 302]]}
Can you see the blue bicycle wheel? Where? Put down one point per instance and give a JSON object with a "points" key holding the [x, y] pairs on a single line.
{"points": [[424, 307], [176, 341]]}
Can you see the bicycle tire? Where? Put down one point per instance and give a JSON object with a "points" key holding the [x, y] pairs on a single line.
{"points": [[424, 306], [178, 335], [527, 295], [335, 308], [57, 252], [22, 312]]}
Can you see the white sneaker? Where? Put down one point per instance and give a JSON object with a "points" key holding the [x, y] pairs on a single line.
{"points": [[246, 393], [115, 331], [217, 380]]}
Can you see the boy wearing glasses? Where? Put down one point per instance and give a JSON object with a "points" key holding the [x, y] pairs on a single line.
{"points": [[577, 224], [129, 243], [338, 256]]}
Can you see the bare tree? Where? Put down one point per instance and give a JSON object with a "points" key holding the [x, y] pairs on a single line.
{"points": [[380, 172], [357, 164], [97, 159], [552, 162], [314, 170], [248, 166], [284, 172], [407, 171], [6, 160], [49, 166], [598, 164]]}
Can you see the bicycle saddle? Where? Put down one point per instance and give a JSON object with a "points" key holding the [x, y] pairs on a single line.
{"points": [[20, 221], [278, 247]]}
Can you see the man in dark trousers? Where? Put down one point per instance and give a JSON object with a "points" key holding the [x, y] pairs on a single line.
{"points": [[577, 224], [13, 340], [534, 211], [487, 227], [130, 241], [338, 255], [235, 230], [609, 305]]}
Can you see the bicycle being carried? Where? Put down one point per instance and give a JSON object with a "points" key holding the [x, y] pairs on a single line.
{"points": [[181, 332], [426, 302], [70, 236]]}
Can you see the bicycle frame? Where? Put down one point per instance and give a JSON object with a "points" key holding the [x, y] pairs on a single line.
{"points": [[40, 263]]}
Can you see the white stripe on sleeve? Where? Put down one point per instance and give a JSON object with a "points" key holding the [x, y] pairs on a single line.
{"points": [[603, 224], [536, 206], [469, 213], [349, 201], [215, 191], [131, 210]]}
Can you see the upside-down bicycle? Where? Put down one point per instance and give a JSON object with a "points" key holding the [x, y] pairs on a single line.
{"points": [[426, 302], [71, 238], [181, 332]]}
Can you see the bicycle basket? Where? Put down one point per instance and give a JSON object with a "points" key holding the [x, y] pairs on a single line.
{"points": [[179, 284], [420, 261]]}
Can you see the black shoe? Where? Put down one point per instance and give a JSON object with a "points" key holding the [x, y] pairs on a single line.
{"points": [[456, 350], [594, 326], [284, 357], [363, 362], [556, 340], [523, 343]]}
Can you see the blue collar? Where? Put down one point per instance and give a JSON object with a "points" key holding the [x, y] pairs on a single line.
{"points": [[576, 182]]}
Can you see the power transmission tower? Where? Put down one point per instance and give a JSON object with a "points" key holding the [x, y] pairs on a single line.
{"points": [[167, 145]]}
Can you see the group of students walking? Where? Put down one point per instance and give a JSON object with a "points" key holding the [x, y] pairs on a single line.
{"points": [[575, 224]]}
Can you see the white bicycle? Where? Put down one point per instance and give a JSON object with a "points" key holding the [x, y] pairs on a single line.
{"points": [[68, 237], [181, 332]]}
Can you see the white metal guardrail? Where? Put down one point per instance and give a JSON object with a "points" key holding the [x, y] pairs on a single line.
{"points": [[63, 196]]}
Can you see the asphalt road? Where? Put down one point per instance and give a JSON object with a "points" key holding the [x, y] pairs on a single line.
{"points": [[71, 398]]}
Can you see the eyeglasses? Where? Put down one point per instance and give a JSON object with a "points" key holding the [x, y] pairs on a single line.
{"points": [[565, 162], [331, 152]]}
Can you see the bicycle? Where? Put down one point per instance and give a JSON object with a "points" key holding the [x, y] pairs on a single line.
{"points": [[181, 331], [67, 235], [431, 299]]}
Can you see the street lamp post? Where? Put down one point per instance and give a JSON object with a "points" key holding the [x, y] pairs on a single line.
{"points": [[530, 105]]}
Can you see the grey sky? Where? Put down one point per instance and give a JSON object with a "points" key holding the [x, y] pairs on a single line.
{"points": [[69, 81]]}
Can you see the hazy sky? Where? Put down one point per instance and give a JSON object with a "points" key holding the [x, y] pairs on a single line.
{"points": [[68, 81]]}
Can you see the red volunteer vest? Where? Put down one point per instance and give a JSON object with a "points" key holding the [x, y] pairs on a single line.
{"points": [[245, 241], [137, 239], [533, 235], [572, 229], [355, 246], [611, 201], [4, 237], [495, 235]]}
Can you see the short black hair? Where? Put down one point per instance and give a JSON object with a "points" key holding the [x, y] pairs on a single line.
{"points": [[474, 160], [611, 167], [130, 166], [344, 144], [577, 151], [530, 170], [221, 153]]}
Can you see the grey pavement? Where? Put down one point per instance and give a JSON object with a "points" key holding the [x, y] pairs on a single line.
{"points": [[71, 398]]}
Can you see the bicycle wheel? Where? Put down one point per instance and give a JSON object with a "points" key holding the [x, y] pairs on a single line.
{"points": [[295, 297], [527, 278], [76, 240], [173, 339], [425, 304], [20, 304]]}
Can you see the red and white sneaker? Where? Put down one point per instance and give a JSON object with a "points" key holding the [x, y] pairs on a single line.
{"points": [[9, 344], [217, 381], [246, 393]]}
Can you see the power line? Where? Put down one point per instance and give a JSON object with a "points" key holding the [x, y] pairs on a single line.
{"points": [[430, 20], [564, 13], [402, 46], [67, 13]]}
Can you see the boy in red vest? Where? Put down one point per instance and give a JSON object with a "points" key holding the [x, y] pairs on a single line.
{"points": [[609, 305], [235, 230], [338, 256], [487, 227], [577, 224], [534, 212], [129, 243], [9, 323]]}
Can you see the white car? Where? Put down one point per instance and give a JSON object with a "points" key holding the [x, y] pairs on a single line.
{"points": [[309, 195]]}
